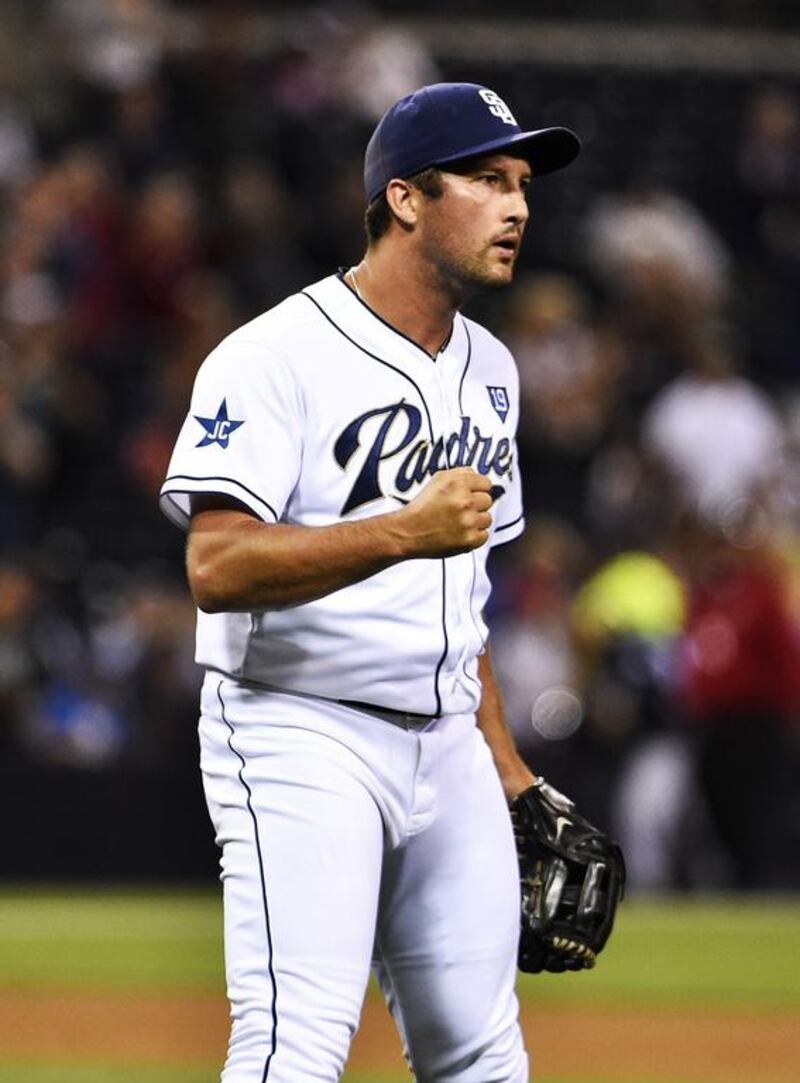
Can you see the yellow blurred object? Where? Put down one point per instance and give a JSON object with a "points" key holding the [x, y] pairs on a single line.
{"points": [[635, 592]]}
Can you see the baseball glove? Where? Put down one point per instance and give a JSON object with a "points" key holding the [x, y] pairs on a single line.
{"points": [[572, 878]]}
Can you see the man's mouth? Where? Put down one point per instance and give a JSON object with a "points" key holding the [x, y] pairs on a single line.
{"points": [[508, 244]]}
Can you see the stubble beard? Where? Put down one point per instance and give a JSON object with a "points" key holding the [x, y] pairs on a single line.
{"points": [[465, 277]]}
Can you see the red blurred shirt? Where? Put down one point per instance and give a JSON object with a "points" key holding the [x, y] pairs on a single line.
{"points": [[741, 644]]}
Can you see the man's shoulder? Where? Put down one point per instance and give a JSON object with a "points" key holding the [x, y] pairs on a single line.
{"points": [[486, 346], [277, 343], [281, 326]]}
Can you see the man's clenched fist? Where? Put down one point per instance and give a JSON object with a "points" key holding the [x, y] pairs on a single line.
{"points": [[450, 515]]}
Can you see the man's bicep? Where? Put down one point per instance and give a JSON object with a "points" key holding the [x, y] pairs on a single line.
{"points": [[217, 503], [219, 548], [215, 522]]}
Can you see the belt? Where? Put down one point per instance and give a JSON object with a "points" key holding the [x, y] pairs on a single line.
{"points": [[407, 720]]}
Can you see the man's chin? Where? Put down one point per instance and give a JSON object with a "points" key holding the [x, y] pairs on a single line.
{"points": [[482, 278], [496, 277]]}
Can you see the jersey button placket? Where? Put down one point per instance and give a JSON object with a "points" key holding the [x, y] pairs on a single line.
{"points": [[454, 584], [463, 568]]}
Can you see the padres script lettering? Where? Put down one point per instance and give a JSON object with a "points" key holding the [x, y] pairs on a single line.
{"points": [[467, 447]]}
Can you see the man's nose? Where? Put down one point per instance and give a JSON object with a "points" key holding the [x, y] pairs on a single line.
{"points": [[519, 210]]}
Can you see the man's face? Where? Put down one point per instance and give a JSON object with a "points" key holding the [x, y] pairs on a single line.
{"points": [[471, 234]]}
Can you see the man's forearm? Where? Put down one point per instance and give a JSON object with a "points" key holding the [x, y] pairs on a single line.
{"points": [[236, 563], [260, 566], [515, 775]]}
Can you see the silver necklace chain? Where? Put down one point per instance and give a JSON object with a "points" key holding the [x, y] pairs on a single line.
{"points": [[352, 274]]}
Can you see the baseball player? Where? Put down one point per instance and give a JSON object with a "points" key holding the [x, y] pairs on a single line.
{"points": [[347, 463]]}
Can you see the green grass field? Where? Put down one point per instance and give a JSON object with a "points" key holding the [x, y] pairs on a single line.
{"points": [[30, 1073], [705, 957]]}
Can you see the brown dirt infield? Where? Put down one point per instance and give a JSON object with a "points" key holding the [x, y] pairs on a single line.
{"points": [[630, 1044]]}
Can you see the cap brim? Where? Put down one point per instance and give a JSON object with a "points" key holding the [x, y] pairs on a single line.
{"points": [[547, 149]]}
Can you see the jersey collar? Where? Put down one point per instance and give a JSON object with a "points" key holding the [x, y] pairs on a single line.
{"points": [[341, 275], [370, 330]]}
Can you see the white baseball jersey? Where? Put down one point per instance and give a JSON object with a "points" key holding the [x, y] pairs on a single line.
{"points": [[317, 412]]}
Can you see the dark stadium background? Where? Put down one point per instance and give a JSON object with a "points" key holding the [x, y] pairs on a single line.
{"points": [[161, 182]]}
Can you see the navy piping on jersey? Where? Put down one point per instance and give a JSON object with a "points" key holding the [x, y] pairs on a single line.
{"points": [[466, 366], [472, 554], [507, 526], [240, 757], [229, 481], [388, 364], [475, 623], [474, 559], [446, 641], [430, 357], [374, 356]]}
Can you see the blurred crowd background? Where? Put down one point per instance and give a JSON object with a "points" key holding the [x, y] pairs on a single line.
{"points": [[168, 170]]}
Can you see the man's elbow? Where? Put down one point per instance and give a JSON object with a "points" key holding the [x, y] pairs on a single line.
{"points": [[207, 597], [208, 584]]}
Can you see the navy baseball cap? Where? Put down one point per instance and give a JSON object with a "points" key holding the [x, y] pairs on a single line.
{"points": [[447, 122]]}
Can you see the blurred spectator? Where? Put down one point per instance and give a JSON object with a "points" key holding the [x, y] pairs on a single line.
{"points": [[112, 43], [630, 497], [143, 656], [532, 651], [634, 594], [768, 222], [143, 138], [570, 370], [376, 62], [117, 683], [715, 432], [26, 459], [666, 273], [259, 237], [17, 141], [658, 254], [19, 666], [769, 153], [165, 249], [87, 246], [786, 496], [628, 618], [77, 726], [208, 314], [42, 661], [740, 683]]}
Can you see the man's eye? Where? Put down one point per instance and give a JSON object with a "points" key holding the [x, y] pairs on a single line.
{"points": [[489, 178]]}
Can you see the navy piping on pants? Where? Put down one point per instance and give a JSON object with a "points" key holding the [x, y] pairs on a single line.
{"points": [[240, 757]]}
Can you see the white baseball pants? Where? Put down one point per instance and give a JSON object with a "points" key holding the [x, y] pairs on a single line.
{"points": [[348, 841]]}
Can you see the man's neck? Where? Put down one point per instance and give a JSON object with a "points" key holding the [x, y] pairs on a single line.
{"points": [[402, 295]]}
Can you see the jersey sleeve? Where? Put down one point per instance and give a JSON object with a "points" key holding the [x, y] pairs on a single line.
{"points": [[241, 437], [507, 514]]}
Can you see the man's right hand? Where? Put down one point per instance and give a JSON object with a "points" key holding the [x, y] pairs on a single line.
{"points": [[450, 515]]}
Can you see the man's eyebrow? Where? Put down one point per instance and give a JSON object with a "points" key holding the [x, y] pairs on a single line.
{"points": [[482, 165]]}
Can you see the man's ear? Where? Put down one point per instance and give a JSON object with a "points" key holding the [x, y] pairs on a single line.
{"points": [[403, 199]]}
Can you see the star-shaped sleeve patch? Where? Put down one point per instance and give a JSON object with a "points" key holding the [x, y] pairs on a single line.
{"points": [[218, 429]]}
